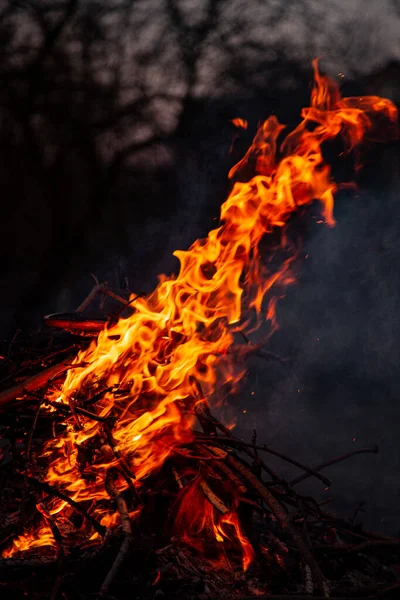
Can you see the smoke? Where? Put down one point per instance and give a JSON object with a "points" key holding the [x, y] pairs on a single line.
{"points": [[339, 327]]}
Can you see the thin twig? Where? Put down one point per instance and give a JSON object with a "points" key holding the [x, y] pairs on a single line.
{"points": [[33, 383], [210, 424], [16, 334], [39, 406], [333, 461], [240, 444], [177, 478], [129, 302], [91, 296], [117, 297], [364, 546], [213, 498], [275, 507], [192, 456], [116, 452], [99, 395], [284, 521], [41, 360], [65, 408], [52, 491], [60, 552], [241, 352], [98, 289], [126, 528], [215, 452]]}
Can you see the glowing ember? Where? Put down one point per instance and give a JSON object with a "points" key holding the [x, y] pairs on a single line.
{"points": [[150, 370]]}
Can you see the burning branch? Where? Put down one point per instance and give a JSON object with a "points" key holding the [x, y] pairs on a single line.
{"points": [[126, 529], [36, 382]]}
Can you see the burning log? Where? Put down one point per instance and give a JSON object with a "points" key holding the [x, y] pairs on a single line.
{"points": [[75, 323]]}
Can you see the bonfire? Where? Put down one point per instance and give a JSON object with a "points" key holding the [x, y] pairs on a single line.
{"points": [[117, 472]]}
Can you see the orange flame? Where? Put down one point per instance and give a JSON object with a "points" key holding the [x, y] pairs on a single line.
{"points": [[150, 365], [41, 537], [239, 123], [232, 519]]}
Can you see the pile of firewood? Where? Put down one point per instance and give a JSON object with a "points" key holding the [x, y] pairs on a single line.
{"points": [[299, 550]]}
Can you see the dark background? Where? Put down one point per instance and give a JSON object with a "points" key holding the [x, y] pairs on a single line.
{"points": [[114, 151]]}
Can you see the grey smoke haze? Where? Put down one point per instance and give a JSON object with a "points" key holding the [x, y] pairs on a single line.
{"points": [[340, 328]]}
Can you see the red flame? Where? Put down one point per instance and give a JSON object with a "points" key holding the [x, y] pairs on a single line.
{"points": [[199, 524]]}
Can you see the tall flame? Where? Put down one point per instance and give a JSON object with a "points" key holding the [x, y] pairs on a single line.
{"points": [[152, 365]]}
